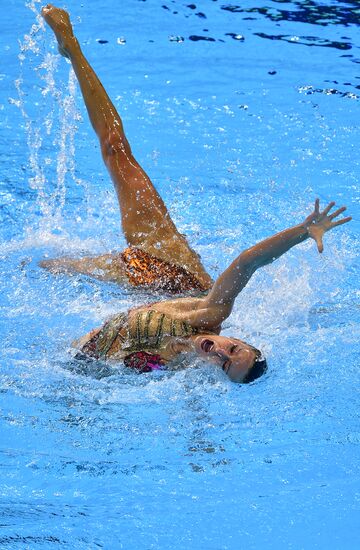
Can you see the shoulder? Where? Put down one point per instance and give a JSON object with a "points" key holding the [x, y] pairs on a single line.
{"points": [[80, 342]]}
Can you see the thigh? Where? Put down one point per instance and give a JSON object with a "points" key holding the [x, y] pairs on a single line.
{"points": [[145, 219]]}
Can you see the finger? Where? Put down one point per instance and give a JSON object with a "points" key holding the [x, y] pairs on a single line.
{"points": [[328, 208], [340, 222], [317, 204], [320, 245], [337, 212]]}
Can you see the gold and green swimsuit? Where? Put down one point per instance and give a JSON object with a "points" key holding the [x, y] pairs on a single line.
{"points": [[141, 331]]}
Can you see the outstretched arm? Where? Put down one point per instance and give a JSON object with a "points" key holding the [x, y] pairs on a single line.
{"points": [[220, 300]]}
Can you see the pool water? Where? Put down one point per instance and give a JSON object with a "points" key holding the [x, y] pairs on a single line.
{"points": [[242, 114]]}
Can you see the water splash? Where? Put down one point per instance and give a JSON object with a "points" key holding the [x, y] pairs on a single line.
{"points": [[50, 126]]}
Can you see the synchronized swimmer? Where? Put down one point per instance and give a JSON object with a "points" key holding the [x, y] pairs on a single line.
{"points": [[159, 257]]}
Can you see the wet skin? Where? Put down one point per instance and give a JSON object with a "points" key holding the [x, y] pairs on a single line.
{"points": [[146, 223], [234, 356]]}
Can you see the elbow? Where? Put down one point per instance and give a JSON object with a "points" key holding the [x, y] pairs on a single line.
{"points": [[249, 262]]}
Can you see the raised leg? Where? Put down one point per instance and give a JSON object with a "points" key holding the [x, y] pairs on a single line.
{"points": [[145, 220]]}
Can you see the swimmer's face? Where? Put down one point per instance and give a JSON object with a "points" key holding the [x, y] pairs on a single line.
{"points": [[234, 356]]}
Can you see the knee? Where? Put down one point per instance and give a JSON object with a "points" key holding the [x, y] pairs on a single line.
{"points": [[113, 143]]}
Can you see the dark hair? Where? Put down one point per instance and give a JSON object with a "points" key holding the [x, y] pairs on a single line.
{"points": [[258, 369]]}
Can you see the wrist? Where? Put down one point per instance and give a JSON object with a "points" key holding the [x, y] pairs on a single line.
{"points": [[303, 229], [299, 233]]}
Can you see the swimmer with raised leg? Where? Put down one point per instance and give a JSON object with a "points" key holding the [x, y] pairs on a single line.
{"points": [[158, 255], [152, 336]]}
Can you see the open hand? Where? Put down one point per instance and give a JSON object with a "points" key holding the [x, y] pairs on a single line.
{"points": [[319, 222]]}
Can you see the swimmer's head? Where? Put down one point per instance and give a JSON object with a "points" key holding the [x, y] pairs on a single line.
{"points": [[242, 362]]}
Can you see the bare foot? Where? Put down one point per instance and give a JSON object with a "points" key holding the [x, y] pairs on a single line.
{"points": [[59, 21]]}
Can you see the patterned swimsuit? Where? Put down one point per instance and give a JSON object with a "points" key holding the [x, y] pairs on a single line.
{"points": [[136, 340], [143, 269]]}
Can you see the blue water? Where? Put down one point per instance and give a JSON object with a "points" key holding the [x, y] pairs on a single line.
{"points": [[241, 114]]}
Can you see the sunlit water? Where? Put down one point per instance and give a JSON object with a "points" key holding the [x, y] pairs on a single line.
{"points": [[242, 114]]}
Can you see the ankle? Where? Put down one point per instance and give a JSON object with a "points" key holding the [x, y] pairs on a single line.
{"points": [[70, 45]]}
